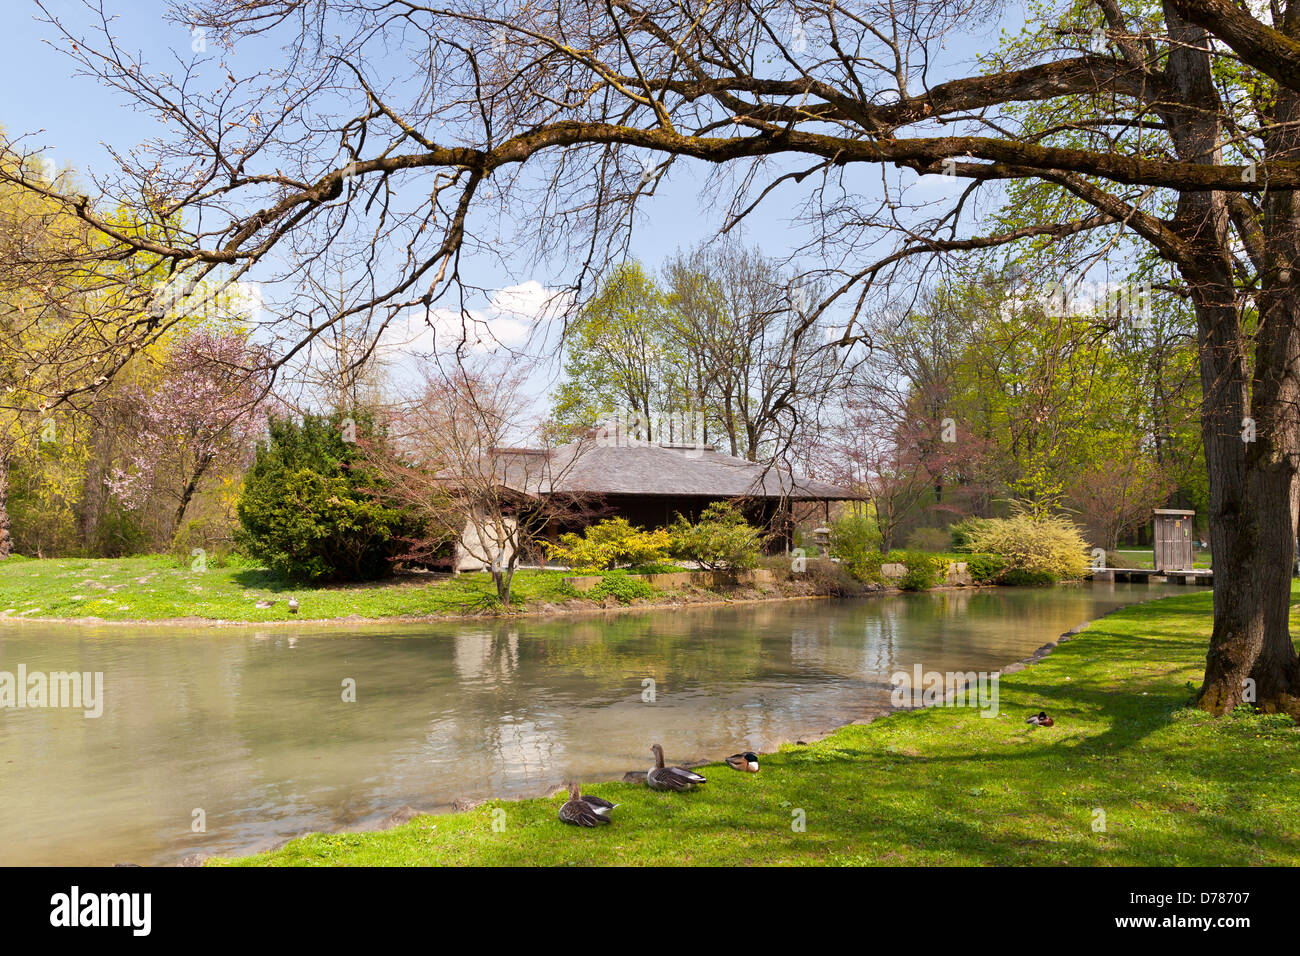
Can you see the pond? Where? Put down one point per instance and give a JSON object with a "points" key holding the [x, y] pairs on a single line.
{"points": [[250, 726]]}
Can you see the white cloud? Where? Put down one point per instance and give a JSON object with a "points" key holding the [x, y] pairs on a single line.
{"points": [[531, 302], [512, 318]]}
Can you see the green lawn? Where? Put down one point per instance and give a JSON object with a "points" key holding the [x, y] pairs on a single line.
{"points": [[157, 587], [1145, 558], [944, 786]]}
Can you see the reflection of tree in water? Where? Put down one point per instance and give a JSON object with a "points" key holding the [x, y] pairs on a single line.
{"points": [[251, 725], [483, 656], [688, 646]]}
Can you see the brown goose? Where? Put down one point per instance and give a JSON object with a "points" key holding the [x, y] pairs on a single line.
{"points": [[585, 811], [678, 779]]}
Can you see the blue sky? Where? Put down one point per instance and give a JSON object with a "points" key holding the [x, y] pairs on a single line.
{"points": [[76, 116]]}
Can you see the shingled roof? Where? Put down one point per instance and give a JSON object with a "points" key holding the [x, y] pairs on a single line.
{"points": [[644, 468]]}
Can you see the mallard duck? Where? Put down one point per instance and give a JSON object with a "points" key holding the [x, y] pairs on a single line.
{"points": [[746, 762], [293, 605], [678, 779], [585, 811], [1040, 719]]}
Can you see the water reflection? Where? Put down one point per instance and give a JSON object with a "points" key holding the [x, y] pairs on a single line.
{"points": [[251, 725]]}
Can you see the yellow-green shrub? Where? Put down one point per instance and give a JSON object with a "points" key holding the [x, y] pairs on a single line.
{"points": [[1035, 548], [610, 544]]}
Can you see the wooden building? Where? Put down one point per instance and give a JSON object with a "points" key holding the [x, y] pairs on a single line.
{"points": [[650, 483], [1174, 539]]}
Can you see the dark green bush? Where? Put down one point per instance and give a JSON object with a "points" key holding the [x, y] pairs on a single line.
{"points": [[924, 570], [620, 585], [1023, 577], [309, 510], [986, 568]]}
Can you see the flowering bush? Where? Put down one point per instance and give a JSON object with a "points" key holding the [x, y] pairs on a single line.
{"points": [[199, 420]]}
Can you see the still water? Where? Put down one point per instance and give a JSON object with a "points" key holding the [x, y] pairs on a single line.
{"points": [[250, 726]]}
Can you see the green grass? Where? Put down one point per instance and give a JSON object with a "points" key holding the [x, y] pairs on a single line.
{"points": [[157, 587], [944, 786], [1144, 558]]}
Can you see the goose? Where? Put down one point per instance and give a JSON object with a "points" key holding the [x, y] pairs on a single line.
{"points": [[1041, 719], [264, 603], [746, 762], [678, 779], [293, 605], [585, 811]]}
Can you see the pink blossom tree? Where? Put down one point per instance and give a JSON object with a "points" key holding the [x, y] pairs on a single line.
{"points": [[202, 415]]}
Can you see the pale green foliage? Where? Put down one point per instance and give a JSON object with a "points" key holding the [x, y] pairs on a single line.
{"points": [[612, 543], [1036, 545], [616, 353], [855, 540], [961, 532], [722, 538]]}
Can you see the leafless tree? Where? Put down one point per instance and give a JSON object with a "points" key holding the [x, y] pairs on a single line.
{"points": [[752, 362], [453, 455]]}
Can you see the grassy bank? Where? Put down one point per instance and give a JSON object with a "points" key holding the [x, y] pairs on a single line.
{"points": [[158, 588], [944, 786]]}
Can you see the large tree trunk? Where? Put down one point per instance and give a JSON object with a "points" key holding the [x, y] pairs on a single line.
{"points": [[1252, 641], [1251, 658], [1250, 462]]}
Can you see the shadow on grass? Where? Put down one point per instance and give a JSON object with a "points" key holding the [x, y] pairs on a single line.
{"points": [[269, 580]]}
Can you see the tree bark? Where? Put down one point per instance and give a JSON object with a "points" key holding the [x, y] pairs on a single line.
{"points": [[1252, 470], [187, 493], [503, 578], [1249, 455], [1251, 643], [6, 539]]}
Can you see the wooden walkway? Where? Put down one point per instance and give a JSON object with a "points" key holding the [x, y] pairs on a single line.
{"points": [[1201, 576]]}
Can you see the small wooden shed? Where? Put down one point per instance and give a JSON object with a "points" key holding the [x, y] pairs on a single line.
{"points": [[1175, 548]]}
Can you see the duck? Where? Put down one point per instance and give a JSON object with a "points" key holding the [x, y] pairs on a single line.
{"points": [[585, 811], [677, 779], [746, 762], [1041, 719], [265, 603], [293, 605]]}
